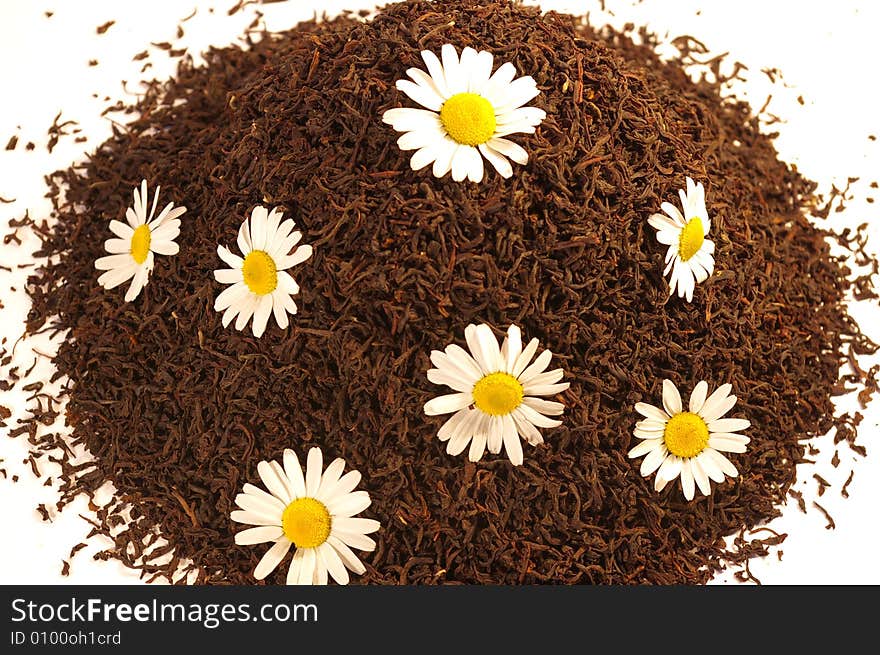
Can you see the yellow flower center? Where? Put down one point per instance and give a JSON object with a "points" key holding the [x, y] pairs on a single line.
{"points": [[497, 394], [140, 244], [468, 118], [260, 274], [691, 239], [686, 435], [306, 522]]}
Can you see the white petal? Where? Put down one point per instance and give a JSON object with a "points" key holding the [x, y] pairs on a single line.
{"points": [[448, 403], [226, 276], [113, 262], [295, 568], [260, 502], [513, 445], [518, 93], [356, 525], [349, 504], [460, 357], [254, 518], [523, 361], [168, 248], [231, 296], [460, 439], [423, 157], [475, 166], [121, 230], [670, 468], [495, 88], [314, 468], [671, 398], [726, 444], [456, 80], [654, 459], [537, 367], [700, 476], [663, 223], [643, 433], [651, 412], [167, 231], [728, 425], [499, 162], [698, 397], [422, 138], [294, 473], [351, 561], [450, 379], [713, 471], [320, 567], [548, 377], [478, 447], [234, 261], [117, 246], [330, 478], [435, 69], [495, 439], [272, 559], [276, 485], [286, 284], [333, 563], [721, 461], [481, 72], [113, 278], [427, 97], [261, 315], [298, 256], [444, 150], [545, 389], [355, 540], [278, 310], [451, 425], [460, 159], [489, 348], [406, 119], [346, 485], [138, 282], [643, 448], [718, 404], [528, 431], [687, 480], [538, 420], [258, 535], [548, 407], [509, 149], [244, 237]]}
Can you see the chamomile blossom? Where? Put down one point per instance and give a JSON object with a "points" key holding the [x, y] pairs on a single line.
{"points": [[689, 256], [132, 251], [468, 112], [689, 443], [261, 285], [497, 389], [313, 513]]}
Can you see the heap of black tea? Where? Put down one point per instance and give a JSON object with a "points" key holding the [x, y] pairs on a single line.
{"points": [[178, 410]]}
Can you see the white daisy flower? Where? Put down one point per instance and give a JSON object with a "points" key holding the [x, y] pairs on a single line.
{"points": [[495, 401], [131, 254], [313, 513], [468, 111], [260, 284], [689, 444], [689, 256]]}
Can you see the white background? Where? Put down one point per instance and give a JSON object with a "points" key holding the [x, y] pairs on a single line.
{"points": [[826, 55]]}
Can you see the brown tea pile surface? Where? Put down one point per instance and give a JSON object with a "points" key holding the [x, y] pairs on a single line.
{"points": [[178, 410]]}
